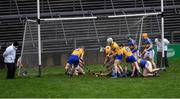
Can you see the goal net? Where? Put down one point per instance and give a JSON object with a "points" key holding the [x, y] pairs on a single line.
{"points": [[61, 36]]}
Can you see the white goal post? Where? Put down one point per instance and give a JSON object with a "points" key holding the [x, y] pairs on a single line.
{"points": [[92, 17]]}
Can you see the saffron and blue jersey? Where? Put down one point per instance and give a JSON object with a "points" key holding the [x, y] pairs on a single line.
{"points": [[142, 63], [128, 54], [75, 56]]}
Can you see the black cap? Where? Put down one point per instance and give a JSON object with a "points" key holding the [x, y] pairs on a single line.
{"points": [[15, 43]]}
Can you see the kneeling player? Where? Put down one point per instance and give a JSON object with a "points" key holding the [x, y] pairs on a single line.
{"points": [[147, 68], [73, 60]]}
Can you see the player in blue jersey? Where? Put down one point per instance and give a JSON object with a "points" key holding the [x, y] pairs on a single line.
{"points": [[147, 68], [133, 46], [148, 52]]}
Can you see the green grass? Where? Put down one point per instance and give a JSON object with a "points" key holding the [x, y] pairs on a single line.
{"points": [[55, 84]]}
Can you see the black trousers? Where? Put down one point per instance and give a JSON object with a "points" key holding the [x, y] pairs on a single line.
{"points": [[159, 57], [166, 59], [11, 69]]}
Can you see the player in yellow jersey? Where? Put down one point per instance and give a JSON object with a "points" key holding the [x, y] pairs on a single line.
{"points": [[130, 59], [118, 57], [108, 61], [147, 68], [74, 59]]}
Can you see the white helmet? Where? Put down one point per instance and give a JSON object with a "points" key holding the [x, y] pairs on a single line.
{"points": [[110, 40], [156, 40]]}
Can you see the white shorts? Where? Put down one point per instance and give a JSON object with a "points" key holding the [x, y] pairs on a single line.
{"points": [[149, 54], [78, 67], [136, 54], [148, 64]]}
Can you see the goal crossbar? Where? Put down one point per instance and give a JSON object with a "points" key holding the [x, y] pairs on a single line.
{"points": [[96, 17], [132, 15]]}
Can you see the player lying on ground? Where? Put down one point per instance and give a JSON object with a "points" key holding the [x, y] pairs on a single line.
{"points": [[147, 68], [73, 60], [148, 52], [117, 69]]}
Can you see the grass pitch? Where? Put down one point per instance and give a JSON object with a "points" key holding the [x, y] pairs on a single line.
{"points": [[55, 84]]}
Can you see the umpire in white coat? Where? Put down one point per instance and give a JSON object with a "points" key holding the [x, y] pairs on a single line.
{"points": [[9, 59], [159, 51]]}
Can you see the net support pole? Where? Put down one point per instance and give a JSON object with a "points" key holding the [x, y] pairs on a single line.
{"points": [[162, 31], [141, 29], [30, 32], [22, 48], [127, 26], [64, 33], [95, 28], [39, 39]]}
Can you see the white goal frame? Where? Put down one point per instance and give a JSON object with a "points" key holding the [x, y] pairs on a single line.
{"points": [[93, 17]]}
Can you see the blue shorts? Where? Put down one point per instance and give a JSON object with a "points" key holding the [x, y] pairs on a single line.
{"points": [[119, 57], [73, 60], [130, 59]]}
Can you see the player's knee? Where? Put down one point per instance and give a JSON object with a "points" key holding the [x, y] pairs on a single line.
{"points": [[76, 72], [66, 67]]}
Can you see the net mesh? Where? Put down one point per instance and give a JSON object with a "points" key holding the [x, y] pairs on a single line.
{"points": [[60, 36]]}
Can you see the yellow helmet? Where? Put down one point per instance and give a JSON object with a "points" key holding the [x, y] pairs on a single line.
{"points": [[139, 60], [145, 35]]}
